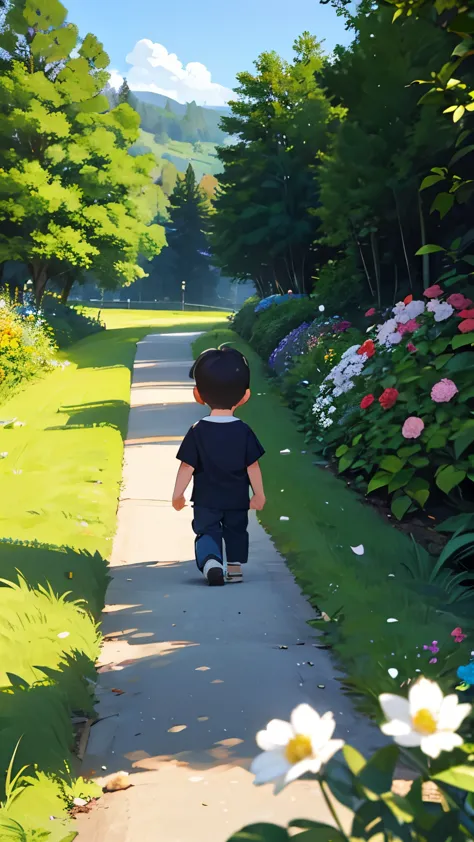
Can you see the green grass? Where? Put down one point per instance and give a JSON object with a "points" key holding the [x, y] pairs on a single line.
{"points": [[168, 320], [59, 486], [326, 519], [181, 153]]}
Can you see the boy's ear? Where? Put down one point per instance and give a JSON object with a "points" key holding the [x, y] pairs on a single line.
{"points": [[245, 398], [197, 397]]}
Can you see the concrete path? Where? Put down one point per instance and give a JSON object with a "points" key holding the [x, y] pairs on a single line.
{"points": [[200, 670]]}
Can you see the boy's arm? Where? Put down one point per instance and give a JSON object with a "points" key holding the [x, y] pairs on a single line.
{"points": [[184, 477], [255, 476]]}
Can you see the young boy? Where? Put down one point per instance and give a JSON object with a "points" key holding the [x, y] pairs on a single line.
{"points": [[221, 453]]}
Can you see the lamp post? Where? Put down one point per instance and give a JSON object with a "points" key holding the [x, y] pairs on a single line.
{"points": [[183, 291]]}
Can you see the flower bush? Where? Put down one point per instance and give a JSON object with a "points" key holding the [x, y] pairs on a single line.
{"points": [[26, 346], [401, 404], [424, 728]]}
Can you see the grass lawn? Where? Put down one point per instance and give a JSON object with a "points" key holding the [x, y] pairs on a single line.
{"points": [[384, 613], [59, 486]]}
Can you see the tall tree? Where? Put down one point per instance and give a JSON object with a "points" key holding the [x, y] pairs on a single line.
{"points": [[264, 227], [187, 236], [123, 93], [69, 191]]}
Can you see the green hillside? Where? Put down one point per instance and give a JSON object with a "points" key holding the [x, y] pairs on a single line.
{"points": [[202, 156]]}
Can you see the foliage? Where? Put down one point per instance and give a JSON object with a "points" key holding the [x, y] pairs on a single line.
{"points": [[68, 324], [313, 339], [275, 323], [26, 347], [264, 228], [169, 120], [69, 191], [431, 382], [244, 320], [187, 255]]}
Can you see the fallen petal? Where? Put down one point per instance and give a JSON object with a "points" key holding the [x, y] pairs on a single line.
{"points": [[359, 550]]}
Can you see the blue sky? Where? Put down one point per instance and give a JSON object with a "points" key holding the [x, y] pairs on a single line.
{"points": [[221, 37]]}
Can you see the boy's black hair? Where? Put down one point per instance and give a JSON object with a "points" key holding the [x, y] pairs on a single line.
{"points": [[222, 376]]}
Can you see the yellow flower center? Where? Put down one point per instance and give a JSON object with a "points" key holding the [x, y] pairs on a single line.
{"points": [[299, 748], [424, 721]]}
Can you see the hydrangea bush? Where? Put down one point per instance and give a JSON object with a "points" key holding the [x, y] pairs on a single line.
{"points": [[398, 409]]}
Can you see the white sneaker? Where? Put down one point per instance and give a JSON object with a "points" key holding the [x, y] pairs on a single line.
{"points": [[214, 572]]}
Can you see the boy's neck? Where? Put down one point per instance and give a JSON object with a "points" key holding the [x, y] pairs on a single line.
{"points": [[222, 412]]}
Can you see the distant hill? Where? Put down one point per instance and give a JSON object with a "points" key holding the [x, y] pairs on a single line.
{"points": [[167, 119], [177, 107]]}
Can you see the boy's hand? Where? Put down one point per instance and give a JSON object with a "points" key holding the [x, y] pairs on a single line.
{"points": [[179, 503], [257, 502]]}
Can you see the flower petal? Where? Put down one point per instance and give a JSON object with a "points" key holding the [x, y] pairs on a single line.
{"points": [[301, 768], [395, 707], [305, 720], [425, 695], [451, 713], [434, 744], [359, 550], [408, 740], [277, 734], [395, 728], [269, 765], [329, 750]]}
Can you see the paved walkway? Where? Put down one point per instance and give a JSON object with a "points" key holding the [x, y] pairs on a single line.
{"points": [[200, 669]]}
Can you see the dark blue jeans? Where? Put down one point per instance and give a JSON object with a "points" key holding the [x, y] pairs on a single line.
{"points": [[212, 527]]}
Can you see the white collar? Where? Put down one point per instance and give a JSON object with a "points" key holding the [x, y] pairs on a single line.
{"points": [[220, 419]]}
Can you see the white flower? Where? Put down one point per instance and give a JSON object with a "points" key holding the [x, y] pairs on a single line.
{"points": [[404, 312], [385, 330], [292, 749], [394, 338], [426, 719], [2, 304], [441, 309], [62, 635], [321, 308]]}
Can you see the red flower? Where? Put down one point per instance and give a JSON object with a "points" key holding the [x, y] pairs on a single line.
{"points": [[408, 299], [388, 398], [370, 312], [459, 301], [367, 348], [366, 401], [433, 292], [411, 347], [466, 314], [465, 327]]}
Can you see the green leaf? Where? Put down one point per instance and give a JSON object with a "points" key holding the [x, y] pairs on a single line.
{"points": [[379, 479], [462, 339], [397, 14], [443, 204], [341, 450], [261, 833], [419, 490], [393, 464], [430, 180], [442, 360], [455, 545], [400, 506], [458, 113], [449, 477], [319, 832], [408, 450], [463, 440], [354, 759], [345, 463], [401, 479], [420, 461], [461, 362], [356, 439], [462, 152], [377, 774], [429, 249], [468, 258], [459, 776]]}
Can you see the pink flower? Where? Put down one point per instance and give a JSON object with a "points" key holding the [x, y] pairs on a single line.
{"points": [[388, 398], [466, 326], [370, 312], [465, 314], [408, 327], [444, 391], [411, 347], [433, 647], [458, 635], [459, 301], [412, 428], [433, 661], [433, 291]]}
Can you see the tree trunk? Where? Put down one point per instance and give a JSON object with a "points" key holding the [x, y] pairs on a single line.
{"points": [[375, 256], [425, 258], [403, 241], [39, 276], [66, 290]]}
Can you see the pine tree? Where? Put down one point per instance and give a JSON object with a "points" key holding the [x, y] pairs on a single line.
{"points": [[123, 93], [187, 238]]}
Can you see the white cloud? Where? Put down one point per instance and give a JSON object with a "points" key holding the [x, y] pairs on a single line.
{"points": [[153, 68]]}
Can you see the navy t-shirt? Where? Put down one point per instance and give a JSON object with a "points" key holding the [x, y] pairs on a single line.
{"points": [[220, 449]]}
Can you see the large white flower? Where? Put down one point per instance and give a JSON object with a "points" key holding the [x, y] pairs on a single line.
{"points": [[426, 719], [404, 312], [386, 330], [292, 749], [441, 309]]}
